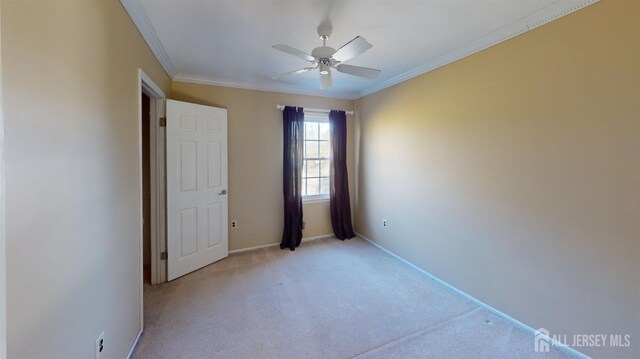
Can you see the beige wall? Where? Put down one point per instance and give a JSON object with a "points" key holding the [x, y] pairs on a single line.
{"points": [[255, 159], [3, 257], [72, 209], [514, 174]]}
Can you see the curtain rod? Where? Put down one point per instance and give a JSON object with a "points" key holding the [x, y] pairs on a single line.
{"points": [[317, 110]]}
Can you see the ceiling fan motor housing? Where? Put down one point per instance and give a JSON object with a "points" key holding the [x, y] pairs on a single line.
{"points": [[323, 54]]}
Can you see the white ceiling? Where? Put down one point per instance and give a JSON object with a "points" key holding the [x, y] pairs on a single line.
{"points": [[227, 42]]}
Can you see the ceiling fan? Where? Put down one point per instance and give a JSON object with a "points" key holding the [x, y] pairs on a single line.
{"points": [[324, 58]]}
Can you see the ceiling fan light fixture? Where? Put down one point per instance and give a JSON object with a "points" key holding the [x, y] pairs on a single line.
{"points": [[325, 57], [324, 69]]}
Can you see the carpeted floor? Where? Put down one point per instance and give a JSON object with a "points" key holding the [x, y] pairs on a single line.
{"points": [[328, 299]]}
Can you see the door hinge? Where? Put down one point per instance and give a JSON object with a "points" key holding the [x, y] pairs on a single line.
{"points": [[163, 256], [163, 122]]}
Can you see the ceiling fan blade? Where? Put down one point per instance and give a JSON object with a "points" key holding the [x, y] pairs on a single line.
{"points": [[358, 71], [295, 52], [325, 80], [352, 49], [294, 72]]}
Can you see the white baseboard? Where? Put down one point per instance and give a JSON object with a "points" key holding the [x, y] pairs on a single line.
{"points": [[475, 300], [135, 343], [307, 239], [252, 248], [317, 237]]}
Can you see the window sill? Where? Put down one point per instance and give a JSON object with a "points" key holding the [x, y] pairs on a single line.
{"points": [[315, 199]]}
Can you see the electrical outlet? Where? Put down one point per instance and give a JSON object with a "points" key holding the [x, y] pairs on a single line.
{"points": [[384, 222], [100, 346], [234, 223]]}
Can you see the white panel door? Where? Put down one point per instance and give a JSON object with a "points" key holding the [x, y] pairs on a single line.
{"points": [[196, 187]]}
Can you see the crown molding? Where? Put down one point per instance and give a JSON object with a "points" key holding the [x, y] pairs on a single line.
{"points": [[550, 13], [204, 80], [527, 23], [140, 19]]}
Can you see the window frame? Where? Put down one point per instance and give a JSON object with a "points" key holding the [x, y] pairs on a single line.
{"points": [[322, 118]]}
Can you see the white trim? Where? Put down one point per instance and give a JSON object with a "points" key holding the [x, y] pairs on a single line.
{"points": [[527, 23], [140, 202], [135, 343], [277, 244], [3, 239], [136, 12], [205, 80], [313, 115], [158, 193], [154, 190], [156, 139], [315, 199], [248, 249], [146, 85], [475, 300], [150, 87], [157, 179], [307, 239]]}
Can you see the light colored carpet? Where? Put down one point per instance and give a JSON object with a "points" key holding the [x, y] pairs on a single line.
{"points": [[328, 299]]}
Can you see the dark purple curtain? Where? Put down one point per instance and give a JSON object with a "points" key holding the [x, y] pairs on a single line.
{"points": [[339, 188], [293, 125]]}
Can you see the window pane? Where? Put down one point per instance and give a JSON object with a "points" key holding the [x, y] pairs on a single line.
{"points": [[303, 190], [313, 169], [311, 149], [324, 168], [311, 130], [313, 186], [304, 169], [324, 185], [324, 149], [324, 131]]}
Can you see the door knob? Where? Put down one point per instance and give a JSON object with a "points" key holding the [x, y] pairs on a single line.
{"points": [[223, 192]]}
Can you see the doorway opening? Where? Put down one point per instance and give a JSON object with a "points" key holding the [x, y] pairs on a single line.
{"points": [[152, 182], [152, 236], [145, 116]]}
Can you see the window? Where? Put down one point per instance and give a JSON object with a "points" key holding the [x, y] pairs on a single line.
{"points": [[315, 169]]}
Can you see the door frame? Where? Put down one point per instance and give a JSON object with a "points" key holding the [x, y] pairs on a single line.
{"points": [[156, 134], [3, 273], [157, 182]]}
